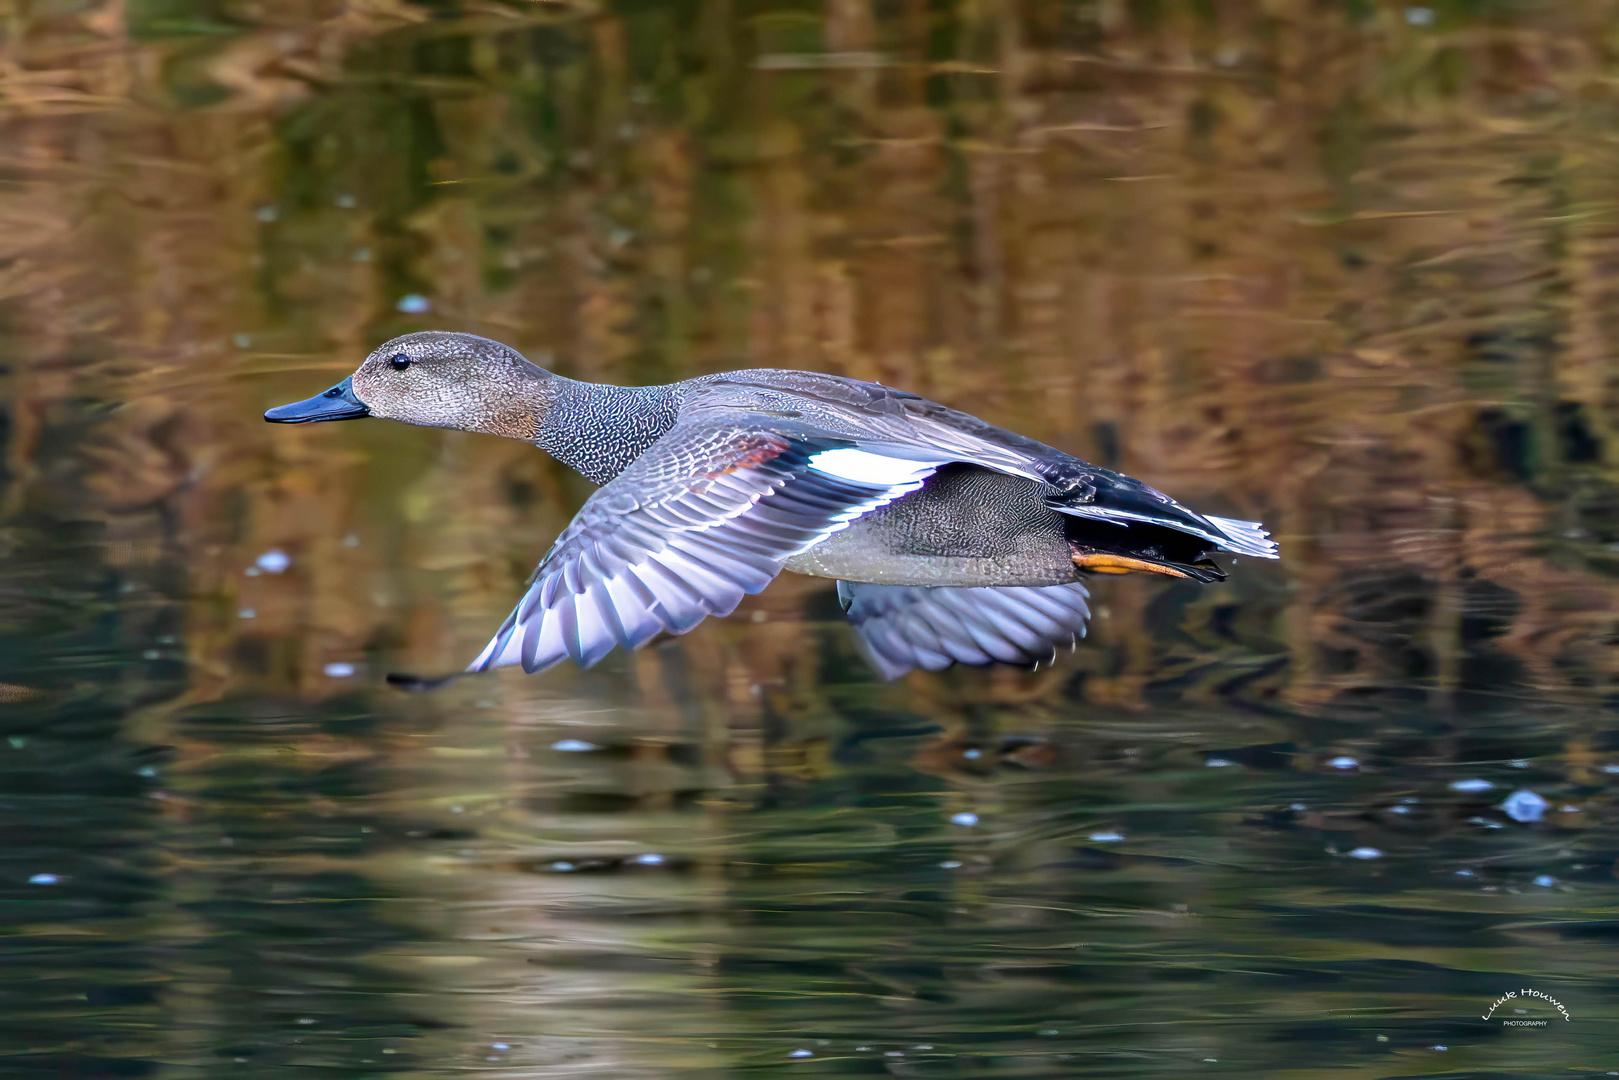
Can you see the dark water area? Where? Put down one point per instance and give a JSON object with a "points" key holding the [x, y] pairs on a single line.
{"points": [[1348, 268]]}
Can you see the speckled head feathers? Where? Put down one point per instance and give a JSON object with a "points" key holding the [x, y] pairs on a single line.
{"points": [[440, 379]]}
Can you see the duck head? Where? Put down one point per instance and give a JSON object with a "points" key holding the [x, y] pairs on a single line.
{"points": [[435, 379]]}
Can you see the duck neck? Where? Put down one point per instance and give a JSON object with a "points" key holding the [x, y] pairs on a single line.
{"points": [[597, 430]]}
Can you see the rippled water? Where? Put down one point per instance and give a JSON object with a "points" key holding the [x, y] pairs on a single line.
{"points": [[1350, 269]]}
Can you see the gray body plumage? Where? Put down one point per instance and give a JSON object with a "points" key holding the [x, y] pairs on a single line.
{"points": [[599, 430], [953, 540], [967, 527]]}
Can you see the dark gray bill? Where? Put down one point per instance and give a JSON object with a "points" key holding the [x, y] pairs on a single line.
{"points": [[338, 403]]}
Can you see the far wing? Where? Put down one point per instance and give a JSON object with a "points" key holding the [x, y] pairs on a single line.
{"points": [[908, 627], [707, 514]]}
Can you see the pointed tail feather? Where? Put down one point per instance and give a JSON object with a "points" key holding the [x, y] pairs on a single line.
{"points": [[1246, 537]]}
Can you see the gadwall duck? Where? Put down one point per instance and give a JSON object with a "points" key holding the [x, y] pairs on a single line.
{"points": [[951, 540]]}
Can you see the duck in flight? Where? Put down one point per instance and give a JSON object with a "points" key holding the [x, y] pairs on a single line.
{"points": [[951, 540]]}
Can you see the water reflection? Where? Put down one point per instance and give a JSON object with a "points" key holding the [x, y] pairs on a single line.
{"points": [[1344, 271]]}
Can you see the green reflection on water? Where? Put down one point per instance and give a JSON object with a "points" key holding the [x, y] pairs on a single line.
{"points": [[1345, 270]]}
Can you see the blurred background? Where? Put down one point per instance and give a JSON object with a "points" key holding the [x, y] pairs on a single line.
{"points": [[1344, 266]]}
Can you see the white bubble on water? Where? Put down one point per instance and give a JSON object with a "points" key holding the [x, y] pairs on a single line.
{"points": [[1524, 805], [573, 746]]}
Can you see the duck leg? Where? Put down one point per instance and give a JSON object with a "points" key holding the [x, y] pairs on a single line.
{"points": [[1140, 548]]}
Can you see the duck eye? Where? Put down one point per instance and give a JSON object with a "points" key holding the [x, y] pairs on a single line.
{"points": [[400, 362]]}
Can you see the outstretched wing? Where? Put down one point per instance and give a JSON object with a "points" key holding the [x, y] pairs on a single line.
{"points": [[908, 627], [707, 514]]}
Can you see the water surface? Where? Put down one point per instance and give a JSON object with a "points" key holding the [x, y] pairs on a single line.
{"points": [[1350, 269]]}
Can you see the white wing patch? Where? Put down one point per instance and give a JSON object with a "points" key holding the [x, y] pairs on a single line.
{"points": [[864, 467]]}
